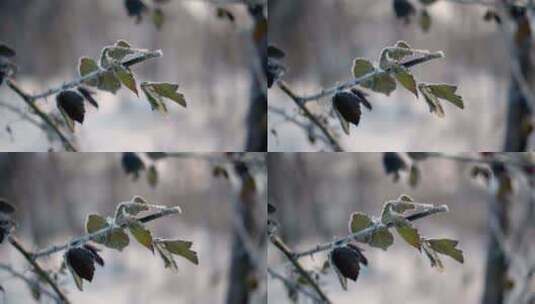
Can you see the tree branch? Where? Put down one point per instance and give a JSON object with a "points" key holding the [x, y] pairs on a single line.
{"points": [[37, 268], [46, 119], [365, 233], [295, 121], [28, 281], [22, 114], [292, 257], [300, 102], [92, 236], [293, 285]]}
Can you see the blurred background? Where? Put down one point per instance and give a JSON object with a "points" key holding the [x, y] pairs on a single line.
{"points": [[209, 57], [326, 36], [54, 192], [315, 193]]}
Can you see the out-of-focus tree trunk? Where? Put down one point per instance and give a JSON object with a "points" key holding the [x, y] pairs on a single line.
{"points": [[257, 117], [516, 140], [518, 111], [496, 273], [241, 264]]}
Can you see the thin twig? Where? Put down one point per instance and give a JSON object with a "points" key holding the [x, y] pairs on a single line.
{"points": [[21, 114], [46, 119], [365, 233], [92, 236], [293, 285], [295, 121], [37, 268], [292, 257], [299, 101], [29, 281]]}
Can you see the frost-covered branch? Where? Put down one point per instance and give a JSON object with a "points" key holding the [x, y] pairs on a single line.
{"points": [[94, 75], [365, 233], [92, 236]]}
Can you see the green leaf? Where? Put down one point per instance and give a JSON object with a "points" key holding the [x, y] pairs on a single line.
{"points": [[432, 101], [403, 44], [108, 82], [166, 256], [447, 247], [447, 92], [123, 43], [141, 234], [182, 248], [381, 83], [401, 50], [434, 259], [425, 20], [117, 239], [152, 176], [118, 53], [94, 223], [382, 238], [404, 76], [137, 204], [403, 205], [169, 90], [359, 221], [406, 198], [155, 100], [127, 78], [87, 66], [409, 234], [362, 67]]}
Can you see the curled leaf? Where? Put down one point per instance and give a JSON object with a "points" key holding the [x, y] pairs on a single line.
{"points": [[72, 104], [88, 95], [81, 261]]}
